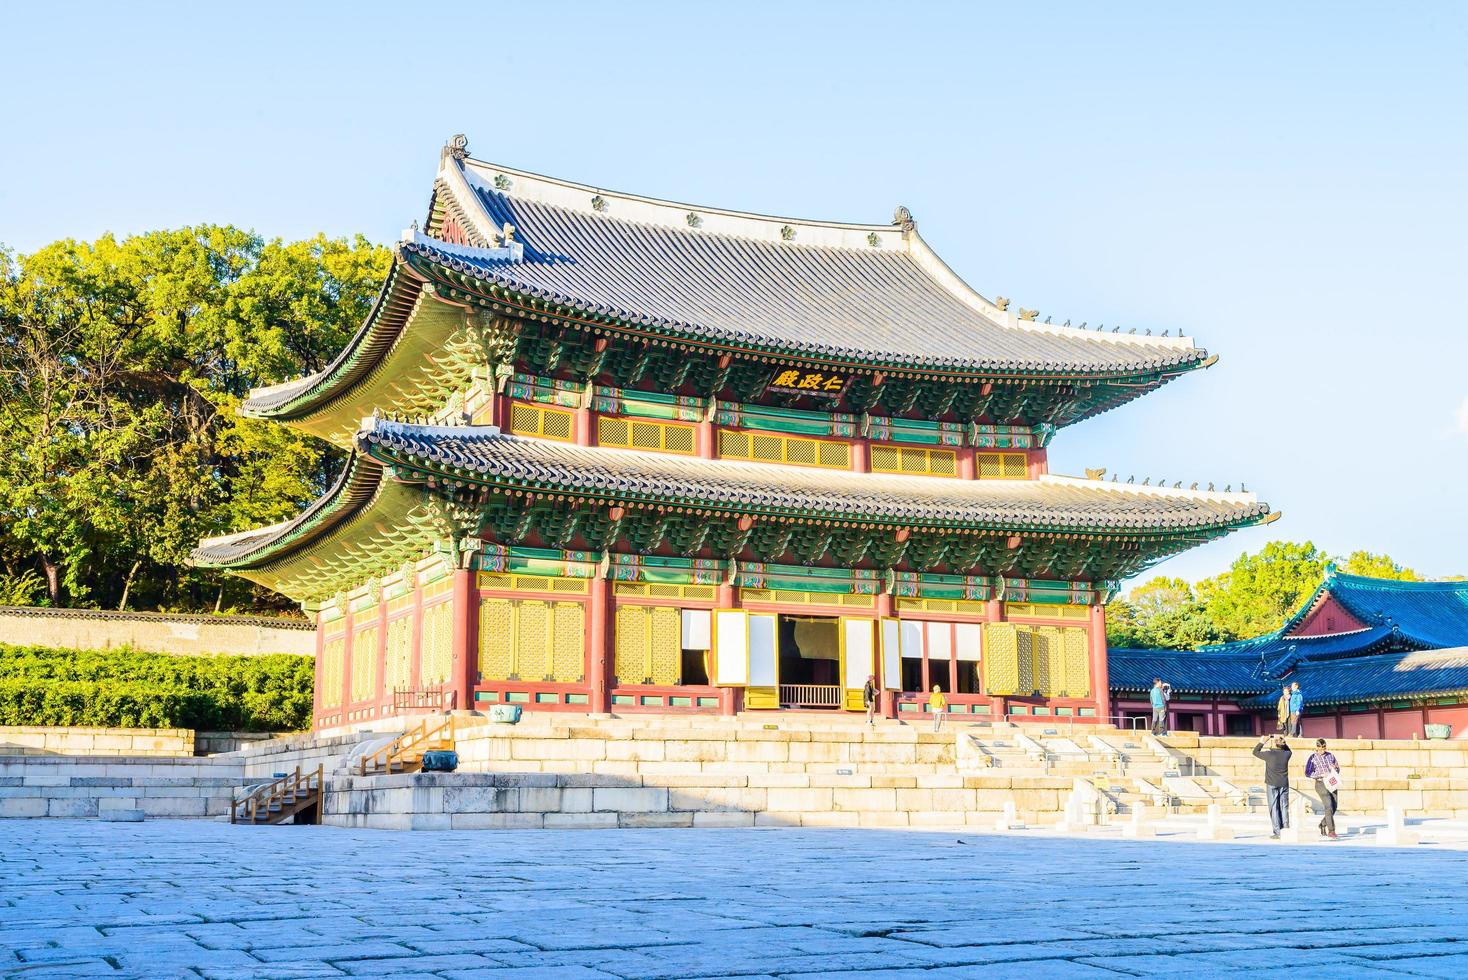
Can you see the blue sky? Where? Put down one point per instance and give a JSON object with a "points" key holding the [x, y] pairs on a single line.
{"points": [[1285, 183]]}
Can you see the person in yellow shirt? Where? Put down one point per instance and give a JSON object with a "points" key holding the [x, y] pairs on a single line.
{"points": [[938, 706]]}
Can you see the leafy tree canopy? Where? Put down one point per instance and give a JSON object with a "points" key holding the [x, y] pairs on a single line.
{"points": [[121, 364]]}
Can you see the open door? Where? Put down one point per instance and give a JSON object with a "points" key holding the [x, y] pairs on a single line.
{"points": [[731, 647], [764, 662], [858, 658], [891, 655]]}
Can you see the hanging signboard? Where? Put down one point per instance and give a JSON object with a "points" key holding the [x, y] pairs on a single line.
{"points": [[826, 384]]}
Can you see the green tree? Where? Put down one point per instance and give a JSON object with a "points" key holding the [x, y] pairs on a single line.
{"points": [[1259, 592], [121, 364], [1376, 566], [1161, 613]]}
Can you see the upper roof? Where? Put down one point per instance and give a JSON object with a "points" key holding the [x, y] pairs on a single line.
{"points": [[869, 293], [1419, 615], [747, 284]]}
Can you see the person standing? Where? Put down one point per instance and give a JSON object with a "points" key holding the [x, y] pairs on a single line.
{"points": [[1297, 708], [1282, 711], [1276, 760], [938, 705], [1322, 767], [870, 696], [1159, 697]]}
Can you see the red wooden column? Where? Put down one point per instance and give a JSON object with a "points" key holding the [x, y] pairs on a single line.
{"points": [[861, 455], [582, 425], [1037, 462], [383, 694], [465, 667], [1100, 673], [705, 439], [966, 468], [320, 671], [598, 643], [887, 700]]}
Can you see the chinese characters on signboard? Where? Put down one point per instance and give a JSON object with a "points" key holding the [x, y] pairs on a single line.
{"points": [[809, 383]]}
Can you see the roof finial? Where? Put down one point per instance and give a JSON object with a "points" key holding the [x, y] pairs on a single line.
{"points": [[1002, 302], [457, 147], [902, 218]]}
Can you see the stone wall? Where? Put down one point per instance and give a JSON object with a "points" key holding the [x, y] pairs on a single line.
{"points": [[90, 786], [92, 629], [35, 740]]}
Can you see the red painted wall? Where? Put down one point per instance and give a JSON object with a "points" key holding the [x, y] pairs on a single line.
{"points": [[1328, 618]]}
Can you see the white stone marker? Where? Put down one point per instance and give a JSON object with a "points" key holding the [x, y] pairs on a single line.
{"points": [[1010, 820], [1138, 827], [1074, 817], [1214, 828], [1395, 833], [1295, 832]]}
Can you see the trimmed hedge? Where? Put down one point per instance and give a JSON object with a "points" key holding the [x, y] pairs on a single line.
{"points": [[127, 688]]}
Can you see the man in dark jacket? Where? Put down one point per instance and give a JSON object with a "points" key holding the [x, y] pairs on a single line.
{"points": [[1276, 780]]}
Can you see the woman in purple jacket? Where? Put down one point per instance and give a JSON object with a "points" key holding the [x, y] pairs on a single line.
{"points": [[1322, 767]]}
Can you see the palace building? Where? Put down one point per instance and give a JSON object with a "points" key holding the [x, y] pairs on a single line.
{"points": [[612, 453], [1375, 658]]}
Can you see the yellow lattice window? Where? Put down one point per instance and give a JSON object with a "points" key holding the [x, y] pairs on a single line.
{"points": [[364, 664], [542, 421], [795, 450], [532, 640], [665, 437], [1000, 466], [505, 582], [1001, 658], [808, 598], [436, 643], [660, 590], [399, 653], [971, 607], [1046, 610], [333, 659], [907, 459], [649, 645]]}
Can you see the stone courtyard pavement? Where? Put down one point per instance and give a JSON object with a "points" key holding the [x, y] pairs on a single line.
{"points": [[203, 899]]}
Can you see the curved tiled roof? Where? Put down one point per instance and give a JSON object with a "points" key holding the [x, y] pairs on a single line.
{"points": [[733, 281], [485, 454], [1378, 678], [1188, 671]]}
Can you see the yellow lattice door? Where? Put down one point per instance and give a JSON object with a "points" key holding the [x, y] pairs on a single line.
{"points": [[436, 645], [400, 653], [532, 640], [1024, 642], [1049, 661], [629, 660], [568, 655], [1001, 658], [1076, 640], [496, 640], [665, 651], [364, 664], [333, 660]]}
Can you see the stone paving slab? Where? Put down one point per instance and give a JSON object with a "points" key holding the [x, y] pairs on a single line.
{"points": [[207, 901]]}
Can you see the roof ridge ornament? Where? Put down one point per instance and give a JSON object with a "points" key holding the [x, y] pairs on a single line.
{"points": [[903, 219], [457, 147]]}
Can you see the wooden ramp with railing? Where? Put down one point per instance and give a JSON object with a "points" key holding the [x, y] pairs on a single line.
{"points": [[282, 799], [405, 753]]}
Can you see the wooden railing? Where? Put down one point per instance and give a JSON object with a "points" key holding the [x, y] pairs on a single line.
{"points": [[430, 699], [810, 695], [279, 799], [427, 734]]}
